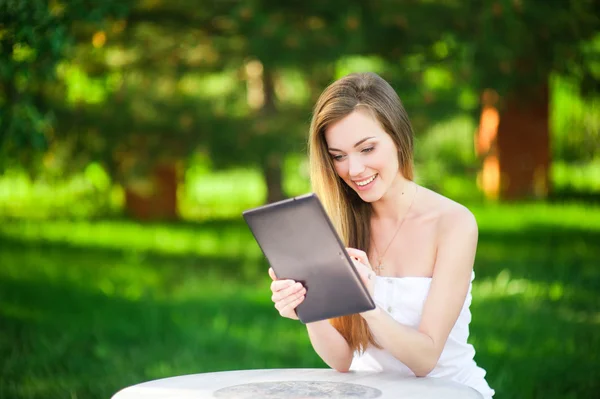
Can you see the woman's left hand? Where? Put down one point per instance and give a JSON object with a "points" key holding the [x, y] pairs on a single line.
{"points": [[361, 262]]}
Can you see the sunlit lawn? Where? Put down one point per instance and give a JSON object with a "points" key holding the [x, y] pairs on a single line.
{"points": [[89, 307]]}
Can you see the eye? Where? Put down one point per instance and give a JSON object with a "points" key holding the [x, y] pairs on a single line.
{"points": [[367, 150], [337, 157]]}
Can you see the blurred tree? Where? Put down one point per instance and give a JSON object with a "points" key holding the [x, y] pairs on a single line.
{"points": [[305, 36], [506, 48], [34, 37], [188, 78], [515, 46], [151, 83]]}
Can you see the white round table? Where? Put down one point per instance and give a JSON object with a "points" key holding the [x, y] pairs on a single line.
{"points": [[297, 384]]}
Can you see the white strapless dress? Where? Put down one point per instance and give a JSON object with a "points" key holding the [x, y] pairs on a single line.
{"points": [[403, 298]]}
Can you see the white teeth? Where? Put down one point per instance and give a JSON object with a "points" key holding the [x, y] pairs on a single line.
{"points": [[365, 182]]}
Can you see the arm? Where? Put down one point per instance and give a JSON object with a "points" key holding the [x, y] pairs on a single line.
{"points": [[420, 349], [329, 344]]}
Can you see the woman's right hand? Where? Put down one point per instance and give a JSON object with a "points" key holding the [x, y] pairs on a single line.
{"points": [[287, 295]]}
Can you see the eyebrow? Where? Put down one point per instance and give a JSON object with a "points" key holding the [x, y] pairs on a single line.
{"points": [[355, 145]]}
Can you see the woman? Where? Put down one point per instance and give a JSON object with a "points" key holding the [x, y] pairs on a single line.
{"points": [[413, 248]]}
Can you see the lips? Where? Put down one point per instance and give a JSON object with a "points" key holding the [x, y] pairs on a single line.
{"points": [[365, 183]]}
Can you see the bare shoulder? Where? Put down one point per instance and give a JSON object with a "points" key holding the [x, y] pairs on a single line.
{"points": [[451, 216]]}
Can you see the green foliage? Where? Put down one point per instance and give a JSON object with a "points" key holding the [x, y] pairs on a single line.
{"points": [[88, 308], [34, 38], [148, 81], [517, 44], [445, 162], [575, 123], [576, 177], [220, 194], [445, 159], [84, 195]]}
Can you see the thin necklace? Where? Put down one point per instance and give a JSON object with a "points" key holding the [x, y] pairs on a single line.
{"points": [[379, 267]]}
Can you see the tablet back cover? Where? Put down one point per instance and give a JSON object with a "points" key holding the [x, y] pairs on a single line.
{"points": [[300, 243]]}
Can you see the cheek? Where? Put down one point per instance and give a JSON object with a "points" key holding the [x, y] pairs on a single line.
{"points": [[340, 168], [392, 160]]}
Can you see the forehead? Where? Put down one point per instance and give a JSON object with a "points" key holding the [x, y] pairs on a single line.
{"points": [[344, 133]]}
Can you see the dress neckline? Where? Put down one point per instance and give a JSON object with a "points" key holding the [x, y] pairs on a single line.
{"points": [[406, 277], [425, 278]]}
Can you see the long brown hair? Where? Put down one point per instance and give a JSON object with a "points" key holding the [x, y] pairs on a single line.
{"points": [[349, 213]]}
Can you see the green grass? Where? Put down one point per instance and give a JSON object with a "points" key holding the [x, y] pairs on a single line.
{"points": [[89, 307]]}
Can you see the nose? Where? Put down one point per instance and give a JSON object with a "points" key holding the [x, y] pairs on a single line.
{"points": [[355, 166]]}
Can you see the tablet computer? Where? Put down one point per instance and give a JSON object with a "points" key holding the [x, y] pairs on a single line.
{"points": [[300, 243]]}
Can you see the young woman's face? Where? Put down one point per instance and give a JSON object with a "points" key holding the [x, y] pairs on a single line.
{"points": [[363, 154]]}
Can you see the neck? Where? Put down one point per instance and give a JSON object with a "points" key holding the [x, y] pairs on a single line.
{"points": [[395, 203]]}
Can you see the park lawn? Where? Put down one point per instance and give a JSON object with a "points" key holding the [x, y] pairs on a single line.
{"points": [[89, 307]]}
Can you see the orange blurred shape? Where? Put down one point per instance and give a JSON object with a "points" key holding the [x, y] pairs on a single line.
{"points": [[488, 129], [99, 39], [489, 178], [488, 123]]}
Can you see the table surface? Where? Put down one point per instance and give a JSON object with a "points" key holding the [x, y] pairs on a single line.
{"points": [[297, 384]]}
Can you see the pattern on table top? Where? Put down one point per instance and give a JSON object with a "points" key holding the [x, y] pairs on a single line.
{"points": [[297, 390]]}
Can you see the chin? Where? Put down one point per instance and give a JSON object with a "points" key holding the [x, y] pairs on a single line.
{"points": [[369, 197]]}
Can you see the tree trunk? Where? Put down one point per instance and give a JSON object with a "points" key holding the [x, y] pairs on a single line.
{"points": [[514, 145], [272, 163], [524, 146], [272, 173], [154, 198]]}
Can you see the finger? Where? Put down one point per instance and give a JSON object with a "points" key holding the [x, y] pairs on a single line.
{"points": [[287, 292], [358, 254], [287, 308], [279, 285], [283, 300], [272, 274], [290, 299]]}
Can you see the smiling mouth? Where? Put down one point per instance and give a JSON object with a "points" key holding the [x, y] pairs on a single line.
{"points": [[363, 183]]}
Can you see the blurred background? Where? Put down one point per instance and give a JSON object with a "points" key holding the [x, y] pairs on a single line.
{"points": [[134, 133]]}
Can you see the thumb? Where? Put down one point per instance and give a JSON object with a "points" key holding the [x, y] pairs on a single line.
{"points": [[272, 274], [358, 255]]}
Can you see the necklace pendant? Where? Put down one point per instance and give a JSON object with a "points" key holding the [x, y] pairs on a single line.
{"points": [[379, 268]]}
